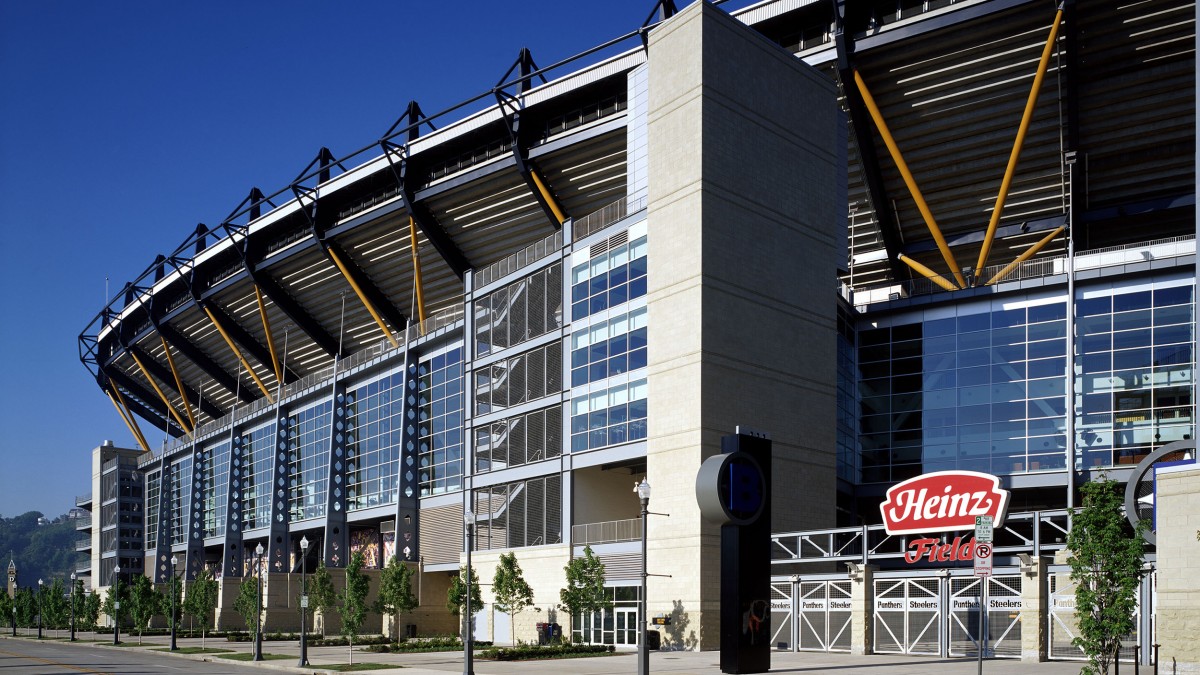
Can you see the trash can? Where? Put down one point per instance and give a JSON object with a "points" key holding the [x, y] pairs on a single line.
{"points": [[653, 640], [541, 633], [553, 633]]}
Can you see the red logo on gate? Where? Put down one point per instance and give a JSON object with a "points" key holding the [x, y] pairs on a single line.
{"points": [[943, 501]]}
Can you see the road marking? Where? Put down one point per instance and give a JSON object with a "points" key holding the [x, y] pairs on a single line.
{"points": [[53, 663]]}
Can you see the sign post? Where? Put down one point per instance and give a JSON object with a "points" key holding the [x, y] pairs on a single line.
{"points": [[983, 570]]}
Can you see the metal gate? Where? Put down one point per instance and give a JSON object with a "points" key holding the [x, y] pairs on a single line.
{"points": [[823, 616], [1002, 599], [908, 616], [1064, 626], [781, 614]]}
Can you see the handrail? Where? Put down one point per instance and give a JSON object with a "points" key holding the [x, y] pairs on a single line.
{"points": [[608, 532]]}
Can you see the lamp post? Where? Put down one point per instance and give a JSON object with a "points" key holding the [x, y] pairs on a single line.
{"points": [[116, 591], [174, 567], [258, 553], [39, 609], [468, 657], [303, 602], [643, 491], [72, 606]]}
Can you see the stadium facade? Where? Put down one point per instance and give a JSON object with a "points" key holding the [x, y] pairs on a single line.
{"points": [[797, 217]]}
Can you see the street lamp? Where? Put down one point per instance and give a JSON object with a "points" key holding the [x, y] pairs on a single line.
{"points": [[72, 606], [39, 609], [303, 602], [643, 491], [174, 567], [258, 553], [116, 591], [468, 660]]}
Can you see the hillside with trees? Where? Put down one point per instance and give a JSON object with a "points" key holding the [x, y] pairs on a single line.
{"points": [[44, 552]]}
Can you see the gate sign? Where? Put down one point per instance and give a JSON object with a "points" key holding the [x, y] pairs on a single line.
{"points": [[943, 501], [983, 560]]}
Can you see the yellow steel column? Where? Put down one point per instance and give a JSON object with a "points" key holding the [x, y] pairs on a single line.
{"points": [[928, 273], [1026, 255], [167, 402], [412, 238], [126, 415], [187, 406], [1026, 118], [911, 182], [262, 313], [229, 341], [541, 186], [362, 298]]}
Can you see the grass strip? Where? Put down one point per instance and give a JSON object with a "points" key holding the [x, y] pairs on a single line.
{"points": [[244, 656]]}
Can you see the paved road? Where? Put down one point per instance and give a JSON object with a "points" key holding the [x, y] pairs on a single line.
{"points": [[24, 655]]}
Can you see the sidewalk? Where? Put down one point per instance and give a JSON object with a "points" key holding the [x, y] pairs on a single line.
{"points": [[622, 663]]}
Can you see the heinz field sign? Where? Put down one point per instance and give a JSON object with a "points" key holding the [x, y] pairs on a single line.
{"points": [[943, 501]]}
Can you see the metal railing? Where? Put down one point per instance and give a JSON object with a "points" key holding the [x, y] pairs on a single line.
{"points": [[526, 256], [83, 544], [607, 215], [1112, 256], [83, 522], [83, 499], [607, 533]]}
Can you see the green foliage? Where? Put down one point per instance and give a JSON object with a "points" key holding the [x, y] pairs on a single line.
{"points": [[6, 609], [585, 586], [246, 602], [144, 603], [174, 587], [40, 551], [321, 595], [201, 601], [117, 592], [510, 589], [395, 591], [353, 608], [529, 652], [56, 609], [91, 609], [1106, 566], [455, 601]]}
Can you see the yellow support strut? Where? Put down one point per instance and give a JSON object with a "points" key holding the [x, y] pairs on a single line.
{"points": [[237, 352], [541, 186], [928, 273], [909, 180], [262, 313], [167, 402], [127, 417], [412, 237], [187, 406], [362, 298], [1026, 118], [1026, 255]]}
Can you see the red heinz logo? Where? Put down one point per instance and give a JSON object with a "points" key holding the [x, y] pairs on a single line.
{"points": [[943, 501]]}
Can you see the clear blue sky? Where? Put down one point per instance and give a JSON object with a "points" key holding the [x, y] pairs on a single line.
{"points": [[124, 124]]}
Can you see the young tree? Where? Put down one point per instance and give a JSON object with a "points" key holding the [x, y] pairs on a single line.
{"points": [[458, 588], [26, 603], [111, 596], [6, 608], [511, 591], [144, 602], [246, 602], [585, 586], [91, 609], [201, 601], [353, 608], [321, 596], [1106, 566], [55, 608], [173, 587], [395, 592]]}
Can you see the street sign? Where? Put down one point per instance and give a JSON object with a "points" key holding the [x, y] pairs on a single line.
{"points": [[983, 529], [983, 559]]}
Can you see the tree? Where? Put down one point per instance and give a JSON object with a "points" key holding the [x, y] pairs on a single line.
{"points": [[246, 602], [510, 589], [585, 591], [353, 608], [1106, 566], [321, 596], [201, 601], [26, 603], [56, 610], [454, 594], [91, 609], [395, 591], [112, 595], [6, 608], [144, 603]]}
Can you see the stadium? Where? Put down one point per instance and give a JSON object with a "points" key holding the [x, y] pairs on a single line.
{"points": [[898, 236]]}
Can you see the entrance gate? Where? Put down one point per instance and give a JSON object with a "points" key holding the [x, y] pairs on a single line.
{"points": [[1002, 600], [908, 616], [823, 616], [1064, 626], [781, 614]]}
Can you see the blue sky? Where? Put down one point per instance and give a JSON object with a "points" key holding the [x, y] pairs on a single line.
{"points": [[124, 124]]}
